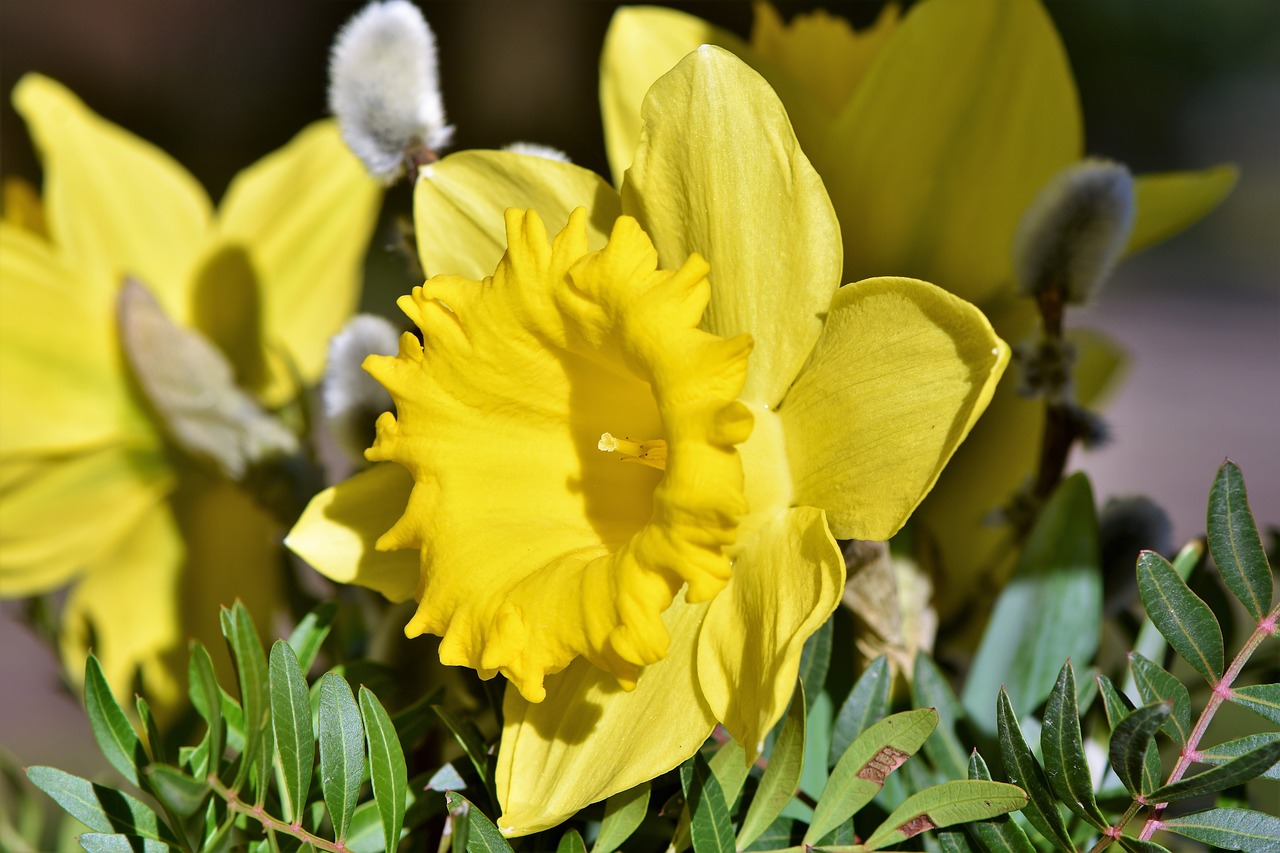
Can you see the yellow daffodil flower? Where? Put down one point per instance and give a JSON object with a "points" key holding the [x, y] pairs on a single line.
{"points": [[933, 132], [626, 454], [89, 493]]}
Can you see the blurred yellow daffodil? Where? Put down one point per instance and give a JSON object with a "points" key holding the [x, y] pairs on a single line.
{"points": [[90, 494], [625, 456], [933, 132]]}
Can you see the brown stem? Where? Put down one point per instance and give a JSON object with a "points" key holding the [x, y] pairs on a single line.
{"points": [[1116, 829], [272, 823]]}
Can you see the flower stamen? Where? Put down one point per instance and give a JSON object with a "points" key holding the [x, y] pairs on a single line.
{"points": [[652, 452]]}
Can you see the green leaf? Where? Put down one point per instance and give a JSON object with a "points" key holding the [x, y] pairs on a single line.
{"points": [[929, 689], [1129, 743], [1180, 615], [955, 841], [154, 740], [118, 741], [1230, 829], [730, 767], [207, 700], [1156, 684], [860, 773], [180, 792], [1114, 702], [1237, 771], [251, 667], [1263, 699], [307, 638], [98, 807], [468, 737], [781, 777], [1051, 610], [98, 842], [1000, 834], [291, 720], [571, 842], [1024, 771], [957, 801], [815, 659], [1223, 753], [778, 836], [623, 814], [1234, 542], [387, 769], [477, 832], [1138, 845], [709, 824], [1062, 745], [341, 750], [867, 702]]}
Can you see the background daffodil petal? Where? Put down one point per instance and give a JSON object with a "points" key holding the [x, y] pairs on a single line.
{"points": [[785, 584], [642, 44], [61, 371], [61, 513], [589, 740], [460, 202], [338, 529], [303, 216], [963, 117], [126, 610], [116, 204], [1167, 203], [719, 173], [900, 374]]}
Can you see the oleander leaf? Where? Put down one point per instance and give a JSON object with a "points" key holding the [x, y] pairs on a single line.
{"points": [[152, 731], [999, 834], [1230, 829], [1130, 740], [1024, 771], [182, 793], [1262, 699], [623, 814], [310, 634], [1139, 845], [206, 697], [815, 659], [1180, 615], [1235, 544], [709, 823], [1237, 771], [1062, 746], [929, 689], [118, 741], [957, 801], [1154, 684], [341, 750], [251, 668], [473, 832], [1224, 752], [387, 769], [781, 777], [467, 736], [98, 807], [571, 842], [867, 702], [295, 742], [100, 842]]}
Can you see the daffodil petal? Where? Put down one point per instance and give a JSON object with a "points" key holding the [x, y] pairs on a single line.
{"points": [[459, 204], [965, 114], [1169, 202], [589, 739], [116, 204], [338, 530], [785, 584], [641, 44], [63, 378], [22, 206], [62, 513], [900, 374], [124, 610], [719, 173], [302, 215]]}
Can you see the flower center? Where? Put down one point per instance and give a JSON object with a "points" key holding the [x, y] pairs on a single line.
{"points": [[652, 452]]}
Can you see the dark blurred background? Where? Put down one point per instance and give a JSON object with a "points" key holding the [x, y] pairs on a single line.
{"points": [[1168, 85]]}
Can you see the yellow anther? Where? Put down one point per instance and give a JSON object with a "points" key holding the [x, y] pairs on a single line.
{"points": [[652, 453]]}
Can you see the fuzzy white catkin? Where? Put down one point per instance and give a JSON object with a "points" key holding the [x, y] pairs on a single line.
{"points": [[353, 399], [384, 86], [537, 149], [1074, 231]]}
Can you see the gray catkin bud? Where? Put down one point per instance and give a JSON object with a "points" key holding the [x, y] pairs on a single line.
{"points": [[1072, 234], [351, 398], [384, 87]]}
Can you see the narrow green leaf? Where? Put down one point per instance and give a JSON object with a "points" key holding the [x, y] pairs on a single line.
{"points": [[860, 773], [781, 776], [1235, 544], [1024, 771], [1130, 740], [955, 841], [251, 667], [98, 807], [867, 702], [154, 740], [1180, 615], [1050, 610], [181, 793], [623, 814], [468, 737], [307, 638], [929, 689], [957, 801], [341, 750], [571, 842], [99, 842], [1224, 752], [730, 767], [387, 769], [477, 831], [709, 824], [815, 659], [1237, 771], [1230, 829], [1156, 684], [1062, 746], [1262, 699], [118, 741], [999, 834], [1114, 702], [291, 721], [781, 835], [1138, 845]]}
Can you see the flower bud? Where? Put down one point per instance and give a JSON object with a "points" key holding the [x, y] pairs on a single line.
{"points": [[353, 399], [384, 88], [1072, 234]]}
